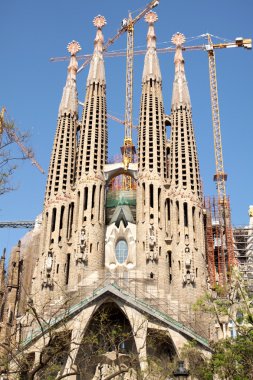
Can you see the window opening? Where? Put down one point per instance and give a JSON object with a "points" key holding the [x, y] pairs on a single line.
{"points": [[121, 251]]}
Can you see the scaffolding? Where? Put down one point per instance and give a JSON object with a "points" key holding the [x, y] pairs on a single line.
{"points": [[119, 183], [243, 246], [219, 241]]}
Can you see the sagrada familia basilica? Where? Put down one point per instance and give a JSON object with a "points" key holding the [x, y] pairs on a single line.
{"points": [[137, 256]]}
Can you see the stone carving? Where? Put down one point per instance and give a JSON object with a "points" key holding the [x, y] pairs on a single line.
{"points": [[82, 240], [188, 278], [152, 239], [49, 262], [81, 254], [151, 253], [105, 370], [47, 282]]}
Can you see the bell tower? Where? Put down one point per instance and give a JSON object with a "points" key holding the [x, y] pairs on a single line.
{"points": [[57, 219], [89, 219], [151, 257], [184, 207]]}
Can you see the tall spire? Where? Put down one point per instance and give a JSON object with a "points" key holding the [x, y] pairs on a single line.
{"points": [[180, 95], [97, 70], [151, 68], [184, 207], [93, 132], [152, 165], [69, 102], [61, 169], [91, 158], [152, 130]]}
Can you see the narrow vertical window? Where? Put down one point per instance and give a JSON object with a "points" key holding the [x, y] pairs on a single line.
{"points": [[67, 269], [93, 196], [159, 200], [53, 220], [193, 218], [61, 217], [99, 201], [185, 214], [177, 210], [71, 218], [151, 196], [85, 198], [170, 259], [168, 209]]}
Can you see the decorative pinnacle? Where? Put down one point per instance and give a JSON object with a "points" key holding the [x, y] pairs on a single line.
{"points": [[178, 39], [74, 47], [99, 21], [151, 17]]}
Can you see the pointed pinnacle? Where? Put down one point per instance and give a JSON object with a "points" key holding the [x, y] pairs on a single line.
{"points": [[151, 17], [74, 47], [178, 39], [99, 21]]}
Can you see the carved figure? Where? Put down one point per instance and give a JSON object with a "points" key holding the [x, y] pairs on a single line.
{"points": [[49, 261], [152, 239], [82, 240]]}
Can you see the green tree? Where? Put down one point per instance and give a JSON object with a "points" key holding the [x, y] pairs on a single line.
{"points": [[232, 357]]}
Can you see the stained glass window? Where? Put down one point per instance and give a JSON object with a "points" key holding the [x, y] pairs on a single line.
{"points": [[121, 251]]}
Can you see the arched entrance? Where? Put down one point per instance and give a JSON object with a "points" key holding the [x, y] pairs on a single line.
{"points": [[108, 342]]}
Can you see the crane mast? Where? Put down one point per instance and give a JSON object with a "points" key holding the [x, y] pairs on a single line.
{"points": [[223, 231], [152, 4], [220, 176], [128, 149], [129, 84]]}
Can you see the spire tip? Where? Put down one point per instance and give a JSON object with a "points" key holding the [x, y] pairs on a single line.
{"points": [[99, 21], [151, 17], [178, 39], [73, 47]]}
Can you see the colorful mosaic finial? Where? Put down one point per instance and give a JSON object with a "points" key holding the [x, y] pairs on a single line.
{"points": [[151, 17], [74, 47], [178, 39], [99, 21]]}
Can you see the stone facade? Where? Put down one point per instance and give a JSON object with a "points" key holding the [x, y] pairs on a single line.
{"points": [[149, 257]]}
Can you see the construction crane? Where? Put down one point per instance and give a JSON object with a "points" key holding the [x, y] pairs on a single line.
{"points": [[112, 117], [226, 256], [124, 28], [224, 231], [128, 149], [13, 137], [220, 176], [127, 25], [29, 224]]}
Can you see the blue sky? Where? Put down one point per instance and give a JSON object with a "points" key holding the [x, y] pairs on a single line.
{"points": [[31, 86]]}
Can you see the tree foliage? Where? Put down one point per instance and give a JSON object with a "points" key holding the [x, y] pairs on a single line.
{"points": [[232, 357], [9, 155], [106, 351]]}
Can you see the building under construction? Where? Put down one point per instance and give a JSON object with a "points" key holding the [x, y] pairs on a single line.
{"points": [[132, 240], [243, 248]]}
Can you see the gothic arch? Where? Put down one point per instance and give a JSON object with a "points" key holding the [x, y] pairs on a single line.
{"points": [[108, 332]]}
